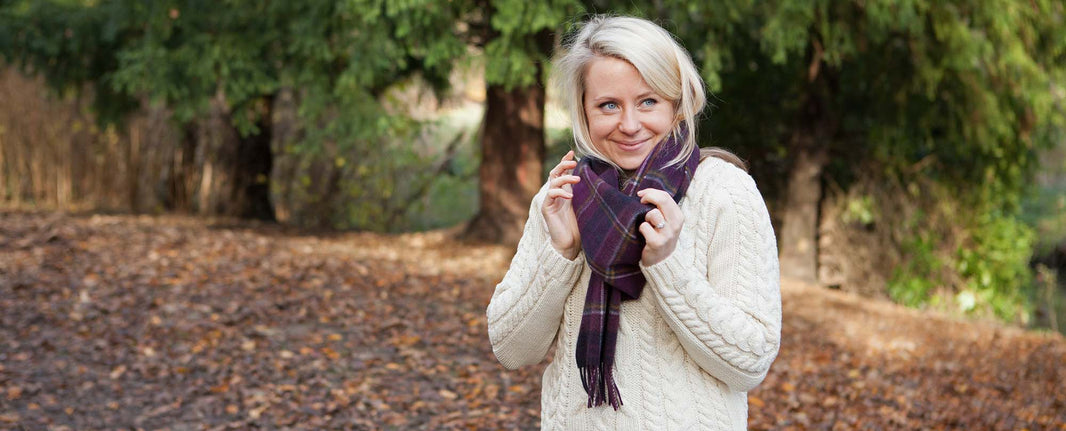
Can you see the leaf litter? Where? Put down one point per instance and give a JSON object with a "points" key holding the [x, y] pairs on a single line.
{"points": [[180, 323]]}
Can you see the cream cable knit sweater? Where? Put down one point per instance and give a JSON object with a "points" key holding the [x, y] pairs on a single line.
{"points": [[703, 333]]}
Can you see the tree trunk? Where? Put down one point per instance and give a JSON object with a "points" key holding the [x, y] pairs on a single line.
{"points": [[512, 154], [236, 178], [133, 169], [252, 168], [180, 183], [816, 127], [799, 221]]}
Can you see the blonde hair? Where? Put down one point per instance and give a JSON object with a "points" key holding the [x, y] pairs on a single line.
{"points": [[659, 59]]}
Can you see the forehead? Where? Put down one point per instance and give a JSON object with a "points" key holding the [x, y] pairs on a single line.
{"points": [[612, 76]]}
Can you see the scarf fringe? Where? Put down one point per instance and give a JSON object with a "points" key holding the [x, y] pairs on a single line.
{"points": [[595, 380]]}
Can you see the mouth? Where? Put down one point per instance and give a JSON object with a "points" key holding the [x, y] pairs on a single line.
{"points": [[631, 145]]}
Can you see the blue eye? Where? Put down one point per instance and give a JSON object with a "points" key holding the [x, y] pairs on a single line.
{"points": [[609, 105], [649, 102]]}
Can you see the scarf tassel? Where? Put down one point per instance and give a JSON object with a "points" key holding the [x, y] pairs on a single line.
{"points": [[595, 380]]}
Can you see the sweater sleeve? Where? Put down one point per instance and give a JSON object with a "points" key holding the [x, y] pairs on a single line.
{"points": [[527, 307], [728, 314]]}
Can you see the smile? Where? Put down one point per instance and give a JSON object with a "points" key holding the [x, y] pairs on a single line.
{"points": [[632, 145]]}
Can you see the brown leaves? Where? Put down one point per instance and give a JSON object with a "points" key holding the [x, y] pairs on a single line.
{"points": [[138, 322], [150, 323], [14, 393], [835, 372]]}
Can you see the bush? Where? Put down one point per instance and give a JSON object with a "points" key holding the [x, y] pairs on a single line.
{"points": [[968, 258], [995, 267], [913, 283]]}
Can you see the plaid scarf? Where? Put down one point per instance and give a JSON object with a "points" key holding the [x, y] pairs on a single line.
{"points": [[608, 217]]}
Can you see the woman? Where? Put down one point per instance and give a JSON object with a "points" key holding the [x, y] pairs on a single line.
{"points": [[663, 314]]}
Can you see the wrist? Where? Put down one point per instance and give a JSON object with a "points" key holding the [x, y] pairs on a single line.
{"points": [[569, 252], [657, 256]]}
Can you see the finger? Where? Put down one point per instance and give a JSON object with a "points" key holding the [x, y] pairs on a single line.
{"points": [[568, 157], [567, 163], [559, 193], [664, 202], [564, 167], [564, 180], [655, 217], [651, 236], [654, 196]]}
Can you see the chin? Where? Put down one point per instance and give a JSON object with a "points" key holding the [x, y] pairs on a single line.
{"points": [[630, 162]]}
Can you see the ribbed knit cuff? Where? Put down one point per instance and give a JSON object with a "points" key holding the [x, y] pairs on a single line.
{"points": [[669, 271], [557, 267]]}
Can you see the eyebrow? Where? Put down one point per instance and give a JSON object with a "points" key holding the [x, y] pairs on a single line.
{"points": [[607, 98]]}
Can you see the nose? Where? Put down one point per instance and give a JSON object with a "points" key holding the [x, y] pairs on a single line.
{"points": [[629, 123]]}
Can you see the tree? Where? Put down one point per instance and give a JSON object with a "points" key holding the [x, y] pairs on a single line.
{"points": [[200, 60], [220, 66], [519, 42], [821, 89], [128, 50], [808, 92]]}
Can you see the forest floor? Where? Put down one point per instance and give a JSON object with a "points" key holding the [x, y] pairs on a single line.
{"points": [[126, 322]]}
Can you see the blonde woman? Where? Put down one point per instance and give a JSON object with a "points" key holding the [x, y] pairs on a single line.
{"points": [[650, 266]]}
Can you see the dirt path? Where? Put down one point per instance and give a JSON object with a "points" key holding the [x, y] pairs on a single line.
{"points": [[111, 322]]}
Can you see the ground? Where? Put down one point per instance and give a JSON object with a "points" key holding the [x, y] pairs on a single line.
{"points": [[126, 322]]}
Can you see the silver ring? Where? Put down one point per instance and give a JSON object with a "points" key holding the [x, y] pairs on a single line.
{"points": [[661, 225]]}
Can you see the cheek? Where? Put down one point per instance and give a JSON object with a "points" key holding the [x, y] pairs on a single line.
{"points": [[599, 127], [664, 121]]}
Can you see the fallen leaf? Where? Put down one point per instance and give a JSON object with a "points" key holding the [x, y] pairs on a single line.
{"points": [[14, 393], [118, 372]]}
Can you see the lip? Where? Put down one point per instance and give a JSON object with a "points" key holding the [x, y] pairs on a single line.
{"points": [[630, 145]]}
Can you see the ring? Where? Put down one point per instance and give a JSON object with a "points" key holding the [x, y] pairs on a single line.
{"points": [[661, 225]]}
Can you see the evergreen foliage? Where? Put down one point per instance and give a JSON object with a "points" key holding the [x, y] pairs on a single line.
{"points": [[965, 91], [959, 93]]}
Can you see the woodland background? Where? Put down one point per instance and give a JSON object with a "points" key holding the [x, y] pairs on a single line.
{"points": [[909, 151]]}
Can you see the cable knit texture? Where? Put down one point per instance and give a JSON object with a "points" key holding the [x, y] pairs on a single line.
{"points": [[702, 334]]}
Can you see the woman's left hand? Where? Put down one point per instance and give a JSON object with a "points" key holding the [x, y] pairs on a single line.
{"points": [[661, 226]]}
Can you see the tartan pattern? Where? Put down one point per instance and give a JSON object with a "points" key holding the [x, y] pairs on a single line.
{"points": [[608, 217]]}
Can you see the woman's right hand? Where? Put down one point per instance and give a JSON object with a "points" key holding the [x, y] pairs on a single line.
{"points": [[557, 208]]}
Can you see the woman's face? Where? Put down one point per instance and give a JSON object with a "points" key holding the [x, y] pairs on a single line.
{"points": [[626, 118]]}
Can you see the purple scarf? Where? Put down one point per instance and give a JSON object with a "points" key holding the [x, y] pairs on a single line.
{"points": [[608, 217]]}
